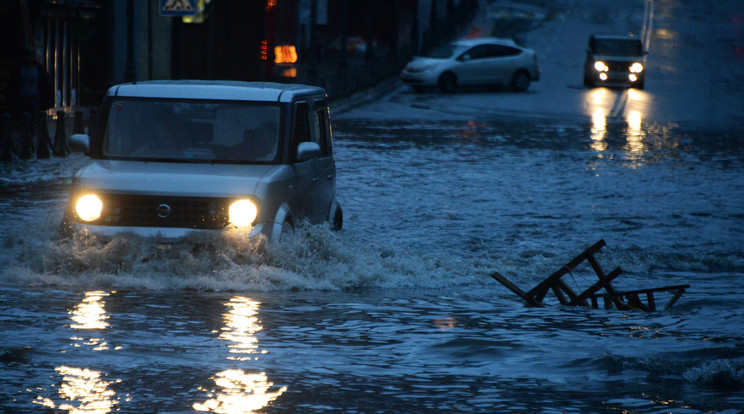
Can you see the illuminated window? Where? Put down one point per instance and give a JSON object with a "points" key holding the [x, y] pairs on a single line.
{"points": [[285, 54]]}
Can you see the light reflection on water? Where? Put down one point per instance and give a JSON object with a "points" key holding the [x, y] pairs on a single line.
{"points": [[487, 354], [84, 390], [627, 108], [90, 314], [237, 391], [241, 325]]}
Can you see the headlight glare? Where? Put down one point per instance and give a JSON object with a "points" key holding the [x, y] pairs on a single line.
{"points": [[636, 68], [88, 207], [243, 213], [600, 66]]}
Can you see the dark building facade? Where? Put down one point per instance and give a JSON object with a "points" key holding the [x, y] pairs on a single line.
{"points": [[343, 45]]}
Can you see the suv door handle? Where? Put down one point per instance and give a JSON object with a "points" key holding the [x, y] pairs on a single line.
{"points": [[315, 180], [329, 176]]}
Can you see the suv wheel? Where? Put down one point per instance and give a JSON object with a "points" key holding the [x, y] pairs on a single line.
{"points": [[338, 219], [288, 231]]}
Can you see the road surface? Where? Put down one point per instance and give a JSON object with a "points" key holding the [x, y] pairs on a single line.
{"points": [[695, 69]]}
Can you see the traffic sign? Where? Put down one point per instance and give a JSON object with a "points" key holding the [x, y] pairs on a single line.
{"points": [[177, 7]]}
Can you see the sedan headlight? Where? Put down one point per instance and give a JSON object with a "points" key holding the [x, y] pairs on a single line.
{"points": [[636, 68], [243, 213], [88, 207], [600, 66], [417, 67]]}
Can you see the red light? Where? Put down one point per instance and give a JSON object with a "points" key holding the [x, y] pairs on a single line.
{"points": [[264, 50]]}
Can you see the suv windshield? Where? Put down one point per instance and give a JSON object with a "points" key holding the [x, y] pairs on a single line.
{"points": [[615, 47], [209, 131]]}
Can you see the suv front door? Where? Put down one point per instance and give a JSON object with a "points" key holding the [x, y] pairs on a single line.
{"points": [[315, 178], [326, 165]]}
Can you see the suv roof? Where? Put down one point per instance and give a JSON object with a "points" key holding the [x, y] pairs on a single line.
{"points": [[221, 90]]}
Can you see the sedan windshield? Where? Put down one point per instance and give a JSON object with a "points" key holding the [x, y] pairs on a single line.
{"points": [[442, 52], [206, 131]]}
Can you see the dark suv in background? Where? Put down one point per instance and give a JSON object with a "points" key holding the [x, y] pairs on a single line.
{"points": [[615, 60]]}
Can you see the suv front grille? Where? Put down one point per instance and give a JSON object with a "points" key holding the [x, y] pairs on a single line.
{"points": [[159, 211], [618, 66]]}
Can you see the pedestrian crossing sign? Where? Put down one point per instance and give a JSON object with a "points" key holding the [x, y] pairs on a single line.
{"points": [[177, 7]]}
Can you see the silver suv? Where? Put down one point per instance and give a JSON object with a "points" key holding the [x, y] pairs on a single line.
{"points": [[174, 157]]}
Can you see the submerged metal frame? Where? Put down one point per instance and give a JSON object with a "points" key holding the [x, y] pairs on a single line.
{"points": [[629, 300]]}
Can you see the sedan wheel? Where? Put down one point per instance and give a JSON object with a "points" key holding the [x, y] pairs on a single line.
{"points": [[521, 81], [447, 82]]}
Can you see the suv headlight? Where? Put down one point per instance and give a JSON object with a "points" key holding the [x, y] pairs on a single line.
{"points": [[636, 68], [243, 213], [88, 207], [600, 66]]}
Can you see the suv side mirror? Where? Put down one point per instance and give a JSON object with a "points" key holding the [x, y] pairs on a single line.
{"points": [[80, 143], [307, 151]]}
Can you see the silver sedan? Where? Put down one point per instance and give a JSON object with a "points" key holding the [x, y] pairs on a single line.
{"points": [[482, 61]]}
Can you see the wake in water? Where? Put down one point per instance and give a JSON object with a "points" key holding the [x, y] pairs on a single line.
{"points": [[317, 258]]}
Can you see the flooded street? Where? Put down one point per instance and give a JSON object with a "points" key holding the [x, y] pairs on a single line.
{"points": [[397, 312]]}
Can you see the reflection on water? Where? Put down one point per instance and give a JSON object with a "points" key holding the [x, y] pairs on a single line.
{"points": [[241, 325], [90, 314], [238, 391], [83, 389], [634, 122], [628, 105], [84, 392], [599, 130]]}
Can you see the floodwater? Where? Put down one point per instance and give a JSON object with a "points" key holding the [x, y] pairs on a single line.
{"points": [[398, 312]]}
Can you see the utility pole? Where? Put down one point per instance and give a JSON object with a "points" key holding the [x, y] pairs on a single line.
{"points": [[370, 51], [312, 70], [130, 73]]}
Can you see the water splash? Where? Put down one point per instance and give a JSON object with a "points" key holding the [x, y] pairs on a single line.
{"points": [[317, 258]]}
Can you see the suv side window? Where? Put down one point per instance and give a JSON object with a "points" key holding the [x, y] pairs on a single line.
{"points": [[323, 127], [301, 130], [312, 126]]}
